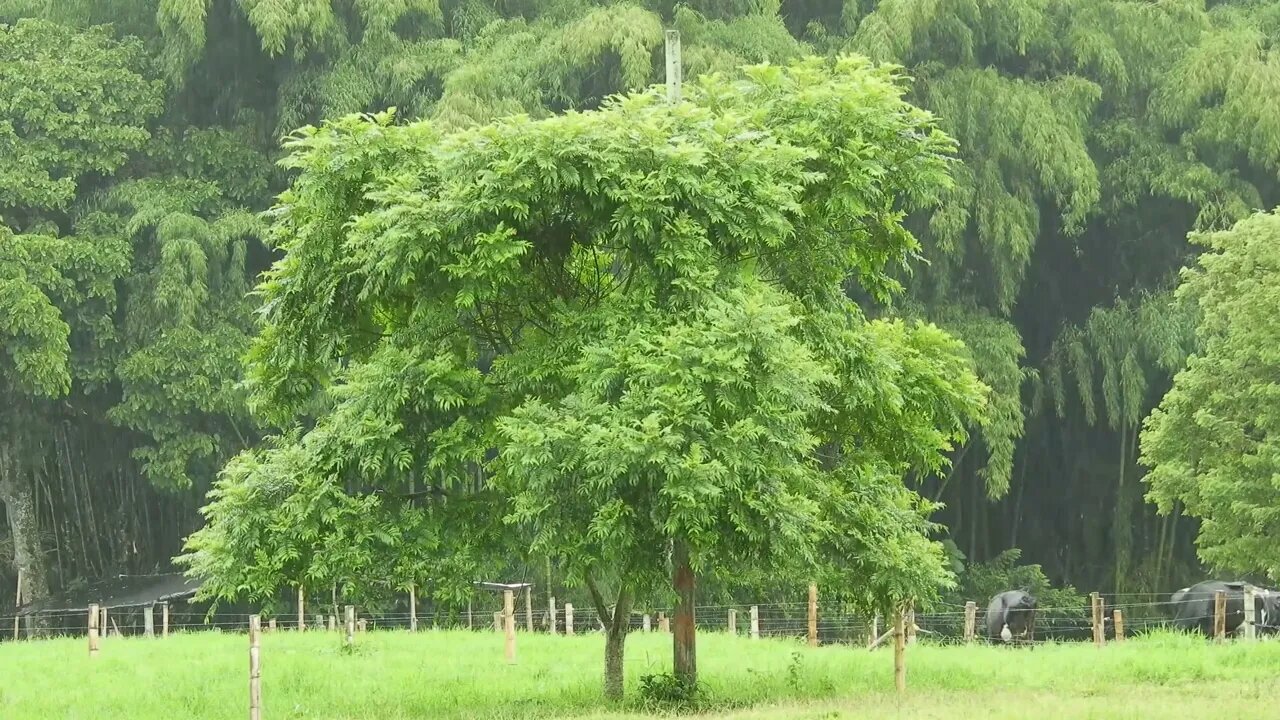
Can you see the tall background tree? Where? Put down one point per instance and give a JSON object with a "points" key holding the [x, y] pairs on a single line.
{"points": [[1094, 135]]}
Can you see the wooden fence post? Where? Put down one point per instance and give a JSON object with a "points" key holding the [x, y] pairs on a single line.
{"points": [[470, 624], [970, 620], [664, 622], [319, 620], [93, 631], [333, 623], [509, 616], [528, 608], [647, 623], [102, 621], [413, 609], [351, 625], [568, 619], [874, 635], [1099, 633], [164, 619], [497, 621], [271, 625], [17, 603], [255, 669], [900, 650], [813, 615], [302, 609], [911, 622], [733, 622], [755, 622], [1220, 616], [362, 625], [1117, 619], [149, 621], [1250, 613]]}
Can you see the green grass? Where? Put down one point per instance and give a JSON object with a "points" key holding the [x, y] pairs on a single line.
{"points": [[396, 676]]}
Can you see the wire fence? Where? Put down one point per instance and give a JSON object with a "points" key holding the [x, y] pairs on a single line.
{"points": [[944, 623]]}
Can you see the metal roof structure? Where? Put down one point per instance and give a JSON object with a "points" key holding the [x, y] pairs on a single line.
{"points": [[123, 591], [501, 586]]}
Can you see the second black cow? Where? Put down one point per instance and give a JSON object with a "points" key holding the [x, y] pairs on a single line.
{"points": [[1193, 607]]}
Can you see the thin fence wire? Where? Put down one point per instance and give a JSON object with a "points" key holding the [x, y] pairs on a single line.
{"points": [[942, 624]]}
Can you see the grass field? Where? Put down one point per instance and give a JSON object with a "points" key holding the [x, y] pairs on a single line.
{"points": [[397, 676]]}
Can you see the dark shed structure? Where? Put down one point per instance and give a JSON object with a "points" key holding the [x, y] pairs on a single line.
{"points": [[122, 591]]}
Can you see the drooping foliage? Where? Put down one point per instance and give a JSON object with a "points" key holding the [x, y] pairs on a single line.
{"points": [[1093, 135]]}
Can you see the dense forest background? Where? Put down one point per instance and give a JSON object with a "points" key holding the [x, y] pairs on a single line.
{"points": [[138, 147]]}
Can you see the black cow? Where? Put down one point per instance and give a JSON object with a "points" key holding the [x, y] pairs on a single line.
{"points": [[1193, 607], [1011, 614]]}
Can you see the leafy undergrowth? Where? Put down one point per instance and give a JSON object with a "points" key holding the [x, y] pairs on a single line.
{"points": [[397, 676]]}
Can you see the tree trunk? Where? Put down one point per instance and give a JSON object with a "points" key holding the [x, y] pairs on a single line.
{"points": [[617, 623], [615, 638], [684, 641], [20, 507], [1121, 517]]}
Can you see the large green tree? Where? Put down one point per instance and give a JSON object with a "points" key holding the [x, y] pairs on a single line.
{"points": [[640, 312], [74, 104], [1213, 443]]}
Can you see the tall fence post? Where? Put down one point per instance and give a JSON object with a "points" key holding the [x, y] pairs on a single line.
{"points": [[102, 621], [1099, 633], [93, 631], [351, 625], [17, 603], [318, 619], [271, 625], [255, 669], [1117, 619], [970, 620], [900, 650], [497, 621], [528, 608], [149, 621], [1250, 613], [302, 609], [509, 623], [1220, 616], [568, 619], [646, 623], [413, 609], [164, 619], [733, 622], [813, 615], [551, 614], [755, 622]]}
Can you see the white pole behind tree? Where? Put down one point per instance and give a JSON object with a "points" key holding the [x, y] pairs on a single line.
{"points": [[674, 67]]}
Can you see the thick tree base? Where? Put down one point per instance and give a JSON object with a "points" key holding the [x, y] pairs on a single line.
{"points": [[613, 664]]}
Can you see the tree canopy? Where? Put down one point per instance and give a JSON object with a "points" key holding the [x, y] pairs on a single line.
{"points": [[1213, 443], [633, 320]]}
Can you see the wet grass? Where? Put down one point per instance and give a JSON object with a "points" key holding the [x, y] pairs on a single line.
{"points": [[397, 676]]}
